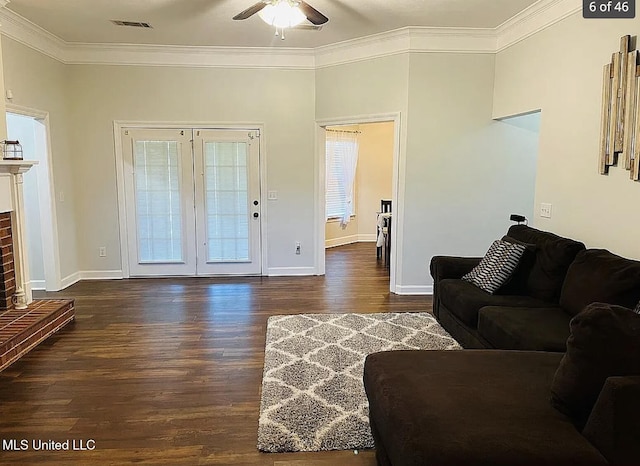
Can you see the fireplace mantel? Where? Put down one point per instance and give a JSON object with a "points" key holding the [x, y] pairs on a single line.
{"points": [[16, 167], [12, 200]]}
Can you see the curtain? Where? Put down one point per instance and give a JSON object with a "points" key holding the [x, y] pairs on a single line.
{"points": [[342, 160]]}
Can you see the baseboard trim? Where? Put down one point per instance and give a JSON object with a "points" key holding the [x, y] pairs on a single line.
{"points": [[69, 280], [290, 271], [101, 275], [332, 243], [364, 238], [38, 285], [414, 289]]}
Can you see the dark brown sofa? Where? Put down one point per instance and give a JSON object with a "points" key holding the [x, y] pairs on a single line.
{"points": [[556, 278], [504, 407]]}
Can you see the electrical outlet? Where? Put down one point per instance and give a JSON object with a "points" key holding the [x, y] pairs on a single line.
{"points": [[102, 251], [298, 247], [545, 210]]}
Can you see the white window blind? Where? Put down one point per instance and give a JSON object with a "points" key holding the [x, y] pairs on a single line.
{"points": [[342, 156], [159, 216], [226, 184]]}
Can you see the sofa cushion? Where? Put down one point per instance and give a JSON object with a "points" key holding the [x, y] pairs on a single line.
{"points": [[464, 300], [604, 342], [554, 254], [497, 266], [538, 329], [476, 407], [597, 275]]}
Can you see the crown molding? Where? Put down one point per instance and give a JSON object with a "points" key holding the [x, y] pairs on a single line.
{"points": [[3, 3], [536, 18], [410, 39], [30, 34], [211, 57]]}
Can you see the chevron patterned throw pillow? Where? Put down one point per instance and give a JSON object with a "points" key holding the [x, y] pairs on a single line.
{"points": [[496, 266]]}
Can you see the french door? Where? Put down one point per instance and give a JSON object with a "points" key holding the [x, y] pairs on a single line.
{"points": [[192, 201]]}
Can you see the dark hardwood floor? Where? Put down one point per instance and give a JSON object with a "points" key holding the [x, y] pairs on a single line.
{"points": [[168, 371]]}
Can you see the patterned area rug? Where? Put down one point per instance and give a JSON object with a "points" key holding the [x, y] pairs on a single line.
{"points": [[312, 392]]}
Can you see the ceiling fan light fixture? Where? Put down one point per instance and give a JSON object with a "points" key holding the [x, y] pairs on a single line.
{"points": [[282, 14]]}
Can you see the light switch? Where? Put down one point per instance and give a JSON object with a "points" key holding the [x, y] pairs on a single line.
{"points": [[272, 195], [545, 210]]}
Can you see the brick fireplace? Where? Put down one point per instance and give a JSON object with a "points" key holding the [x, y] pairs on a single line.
{"points": [[7, 269], [24, 323]]}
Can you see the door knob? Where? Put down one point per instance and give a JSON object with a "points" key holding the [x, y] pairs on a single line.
{"points": [[255, 215]]}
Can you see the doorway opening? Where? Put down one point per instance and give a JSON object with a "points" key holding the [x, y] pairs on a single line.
{"points": [[367, 190], [373, 189], [31, 128]]}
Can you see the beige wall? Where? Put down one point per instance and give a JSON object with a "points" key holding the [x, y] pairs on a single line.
{"points": [[375, 174], [282, 100], [41, 83], [559, 70], [3, 109], [460, 173], [464, 172], [373, 182]]}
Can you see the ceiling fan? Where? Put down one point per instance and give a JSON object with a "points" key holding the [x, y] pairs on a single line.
{"points": [[284, 14]]}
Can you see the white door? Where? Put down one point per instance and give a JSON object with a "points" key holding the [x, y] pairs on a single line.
{"points": [[227, 168], [190, 198]]}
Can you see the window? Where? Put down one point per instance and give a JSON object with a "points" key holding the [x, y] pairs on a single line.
{"points": [[341, 162]]}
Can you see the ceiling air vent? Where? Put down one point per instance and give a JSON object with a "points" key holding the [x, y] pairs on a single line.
{"points": [[133, 24]]}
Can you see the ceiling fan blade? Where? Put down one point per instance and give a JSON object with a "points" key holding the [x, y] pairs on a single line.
{"points": [[252, 10], [312, 14]]}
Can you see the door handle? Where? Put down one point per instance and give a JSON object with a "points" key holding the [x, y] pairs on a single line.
{"points": [[255, 202], [256, 215]]}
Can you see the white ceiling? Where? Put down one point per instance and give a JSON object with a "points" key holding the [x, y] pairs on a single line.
{"points": [[209, 22]]}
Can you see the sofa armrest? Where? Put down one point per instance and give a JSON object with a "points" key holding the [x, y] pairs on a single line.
{"points": [[614, 424], [449, 267]]}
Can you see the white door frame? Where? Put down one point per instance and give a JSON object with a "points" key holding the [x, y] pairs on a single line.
{"points": [[118, 125], [397, 197], [46, 197]]}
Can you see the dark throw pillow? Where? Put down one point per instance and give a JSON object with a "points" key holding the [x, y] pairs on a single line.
{"points": [[599, 276], [604, 342], [496, 266]]}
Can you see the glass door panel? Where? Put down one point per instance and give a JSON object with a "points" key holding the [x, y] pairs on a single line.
{"points": [[159, 195], [227, 201]]}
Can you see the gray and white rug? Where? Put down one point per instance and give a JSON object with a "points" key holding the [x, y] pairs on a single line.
{"points": [[312, 392]]}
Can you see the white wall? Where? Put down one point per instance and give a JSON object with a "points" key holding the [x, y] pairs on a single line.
{"points": [[464, 172], [3, 127], [281, 99], [41, 83], [559, 70], [460, 172]]}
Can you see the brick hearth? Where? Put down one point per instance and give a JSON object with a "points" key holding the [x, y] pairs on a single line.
{"points": [[7, 271], [22, 330]]}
